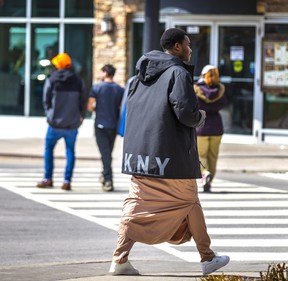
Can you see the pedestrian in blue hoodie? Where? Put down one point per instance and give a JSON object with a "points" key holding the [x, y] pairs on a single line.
{"points": [[64, 101]]}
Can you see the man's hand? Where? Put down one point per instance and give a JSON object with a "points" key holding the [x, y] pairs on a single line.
{"points": [[91, 104], [202, 119]]}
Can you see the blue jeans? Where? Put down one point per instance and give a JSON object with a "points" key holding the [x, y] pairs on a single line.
{"points": [[52, 137], [105, 139]]}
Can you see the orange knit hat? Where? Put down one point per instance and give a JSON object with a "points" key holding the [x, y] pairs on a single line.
{"points": [[62, 61]]}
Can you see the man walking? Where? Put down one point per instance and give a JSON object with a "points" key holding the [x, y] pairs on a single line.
{"points": [[105, 98], [160, 152], [64, 100]]}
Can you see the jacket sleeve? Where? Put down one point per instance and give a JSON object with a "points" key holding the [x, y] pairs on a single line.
{"points": [[183, 100], [83, 99], [47, 95]]}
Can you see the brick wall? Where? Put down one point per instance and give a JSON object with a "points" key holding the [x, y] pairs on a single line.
{"points": [[272, 6], [113, 48]]}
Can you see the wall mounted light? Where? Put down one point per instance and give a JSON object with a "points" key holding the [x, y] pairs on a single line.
{"points": [[107, 24]]}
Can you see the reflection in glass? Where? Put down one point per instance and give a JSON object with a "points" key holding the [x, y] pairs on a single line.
{"points": [[42, 8], [12, 8], [236, 62], [138, 39], [200, 45], [276, 104], [12, 69], [80, 36], [79, 9], [78, 44], [43, 48], [276, 111]]}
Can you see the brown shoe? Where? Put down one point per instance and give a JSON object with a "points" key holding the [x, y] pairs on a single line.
{"points": [[66, 186], [45, 183]]}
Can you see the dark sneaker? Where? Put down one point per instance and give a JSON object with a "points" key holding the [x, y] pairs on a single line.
{"points": [[123, 269], [108, 186], [101, 179], [66, 186], [45, 183], [206, 181], [213, 265]]}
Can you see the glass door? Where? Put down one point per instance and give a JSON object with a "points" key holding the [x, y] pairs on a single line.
{"points": [[199, 36], [223, 45], [236, 63]]}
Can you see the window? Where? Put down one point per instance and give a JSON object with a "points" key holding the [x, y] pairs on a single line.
{"points": [[12, 8], [81, 53], [275, 104], [138, 39], [79, 9], [12, 69], [44, 47], [45, 9], [23, 70]]}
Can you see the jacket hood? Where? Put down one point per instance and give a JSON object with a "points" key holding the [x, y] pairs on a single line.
{"points": [[63, 75], [154, 63]]}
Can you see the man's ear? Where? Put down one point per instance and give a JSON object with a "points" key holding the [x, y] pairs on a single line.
{"points": [[177, 46]]}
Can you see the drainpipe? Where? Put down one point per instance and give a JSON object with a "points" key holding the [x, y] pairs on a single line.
{"points": [[151, 26]]}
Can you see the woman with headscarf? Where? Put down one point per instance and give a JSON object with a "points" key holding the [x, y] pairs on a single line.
{"points": [[211, 98]]}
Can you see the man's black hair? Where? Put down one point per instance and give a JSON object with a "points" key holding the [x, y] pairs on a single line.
{"points": [[172, 36], [110, 69]]}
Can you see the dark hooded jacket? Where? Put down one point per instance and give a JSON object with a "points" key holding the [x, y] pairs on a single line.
{"points": [[64, 99], [162, 114]]}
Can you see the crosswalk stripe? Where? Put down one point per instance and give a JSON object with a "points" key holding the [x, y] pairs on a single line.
{"points": [[246, 213], [238, 215], [245, 242], [193, 256], [246, 204], [245, 221]]}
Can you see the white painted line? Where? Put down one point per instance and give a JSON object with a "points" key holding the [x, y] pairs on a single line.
{"points": [[247, 231], [83, 197], [99, 212], [95, 205], [249, 204], [234, 256], [243, 196], [245, 213], [262, 243], [246, 221]]}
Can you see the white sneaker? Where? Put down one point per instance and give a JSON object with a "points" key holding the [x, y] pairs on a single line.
{"points": [[123, 269], [213, 265]]}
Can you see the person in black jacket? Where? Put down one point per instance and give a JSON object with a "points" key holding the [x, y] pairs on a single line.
{"points": [[64, 100], [160, 153]]}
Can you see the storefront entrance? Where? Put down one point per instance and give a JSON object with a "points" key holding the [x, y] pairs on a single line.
{"points": [[231, 47]]}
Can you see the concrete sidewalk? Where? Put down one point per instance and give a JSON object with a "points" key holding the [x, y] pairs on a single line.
{"points": [[233, 156]]}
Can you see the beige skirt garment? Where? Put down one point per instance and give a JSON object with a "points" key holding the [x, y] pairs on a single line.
{"points": [[156, 210]]}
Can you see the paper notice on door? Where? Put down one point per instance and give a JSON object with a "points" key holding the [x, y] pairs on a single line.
{"points": [[236, 53]]}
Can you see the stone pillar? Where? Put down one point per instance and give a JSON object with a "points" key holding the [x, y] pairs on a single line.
{"points": [[151, 26], [110, 47]]}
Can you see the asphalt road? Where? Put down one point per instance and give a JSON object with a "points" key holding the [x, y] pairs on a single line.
{"points": [[42, 242]]}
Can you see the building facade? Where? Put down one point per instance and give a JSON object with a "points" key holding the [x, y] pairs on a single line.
{"points": [[244, 40]]}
